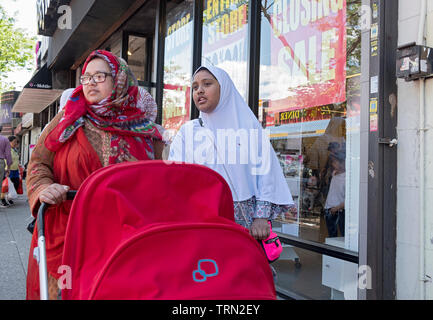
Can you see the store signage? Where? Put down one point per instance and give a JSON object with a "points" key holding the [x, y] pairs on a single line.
{"points": [[47, 16], [177, 71], [42, 10], [304, 115], [6, 113], [7, 101], [175, 114], [308, 52], [225, 37], [225, 34], [41, 80], [227, 16], [179, 24]]}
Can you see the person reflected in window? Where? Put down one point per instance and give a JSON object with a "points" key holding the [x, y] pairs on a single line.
{"points": [[334, 137], [334, 206], [14, 172]]}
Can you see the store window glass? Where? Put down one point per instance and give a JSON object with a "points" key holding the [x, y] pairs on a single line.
{"points": [[225, 40], [137, 48], [116, 48], [138, 59], [177, 67], [114, 44], [310, 102], [317, 277]]}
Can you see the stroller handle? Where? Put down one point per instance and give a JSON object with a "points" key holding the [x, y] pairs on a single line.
{"points": [[70, 195], [40, 251]]}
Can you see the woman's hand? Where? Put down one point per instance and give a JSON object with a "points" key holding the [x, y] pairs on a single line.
{"points": [[335, 210], [260, 229], [54, 194]]}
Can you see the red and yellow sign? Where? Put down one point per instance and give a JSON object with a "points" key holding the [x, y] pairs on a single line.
{"points": [[176, 111], [227, 17], [304, 115], [177, 70]]}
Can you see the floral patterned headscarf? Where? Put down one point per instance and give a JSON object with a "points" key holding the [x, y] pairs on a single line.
{"points": [[129, 111]]}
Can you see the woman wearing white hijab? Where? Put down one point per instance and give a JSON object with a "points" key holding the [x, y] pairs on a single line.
{"points": [[65, 97], [247, 161]]}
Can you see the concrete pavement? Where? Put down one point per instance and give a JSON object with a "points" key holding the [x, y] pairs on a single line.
{"points": [[14, 249]]}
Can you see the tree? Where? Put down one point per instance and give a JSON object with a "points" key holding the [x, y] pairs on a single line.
{"points": [[16, 49]]}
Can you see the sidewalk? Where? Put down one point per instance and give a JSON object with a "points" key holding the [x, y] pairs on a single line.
{"points": [[14, 249]]}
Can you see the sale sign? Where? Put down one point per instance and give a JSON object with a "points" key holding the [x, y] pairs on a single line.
{"points": [[308, 53], [175, 111], [177, 71]]}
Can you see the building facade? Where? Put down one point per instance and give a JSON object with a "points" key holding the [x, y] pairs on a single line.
{"points": [[7, 118], [320, 75], [414, 259]]}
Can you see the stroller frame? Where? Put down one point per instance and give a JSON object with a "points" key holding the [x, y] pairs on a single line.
{"points": [[39, 252]]}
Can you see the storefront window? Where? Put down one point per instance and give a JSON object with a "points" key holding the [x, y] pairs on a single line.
{"points": [[137, 48], [225, 30], [178, 67], [310, 102], [317, 277], [114, 44]]}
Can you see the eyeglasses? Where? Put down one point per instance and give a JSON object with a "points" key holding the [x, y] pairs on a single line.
{"points": [[97, 77]]}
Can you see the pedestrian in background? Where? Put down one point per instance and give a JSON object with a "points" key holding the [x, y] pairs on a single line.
{"points": [[14, 169], [5, 161], [335, 201]]}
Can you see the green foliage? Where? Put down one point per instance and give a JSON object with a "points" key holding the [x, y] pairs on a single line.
{"points": [[16, 49], [353, 31]]}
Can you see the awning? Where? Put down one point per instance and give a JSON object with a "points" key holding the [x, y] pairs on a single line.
{"points": [[35, 100], [37, 93]]}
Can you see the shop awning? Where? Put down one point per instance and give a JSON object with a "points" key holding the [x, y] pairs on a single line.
{"points": [[37, 93]]}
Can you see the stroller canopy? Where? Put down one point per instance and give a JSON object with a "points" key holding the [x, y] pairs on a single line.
{"points": [[120, 202]]}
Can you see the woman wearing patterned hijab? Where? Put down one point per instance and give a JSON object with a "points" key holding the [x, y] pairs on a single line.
{"points": [[107, 120]]}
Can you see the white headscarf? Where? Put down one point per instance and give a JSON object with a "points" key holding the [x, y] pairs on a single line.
{"points": [[65, 97], [259, 174]]}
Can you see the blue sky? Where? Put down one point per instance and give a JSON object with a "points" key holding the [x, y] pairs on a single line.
{"points": [[25, 16]]}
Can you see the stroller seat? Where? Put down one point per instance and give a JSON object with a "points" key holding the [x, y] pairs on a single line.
{"points": [[155, 230]]}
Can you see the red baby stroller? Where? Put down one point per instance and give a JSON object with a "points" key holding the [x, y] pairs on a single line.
{"points": [[155, 230]]}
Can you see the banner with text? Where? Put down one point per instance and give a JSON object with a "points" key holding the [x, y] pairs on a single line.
{"points": [[177, 68], [308, 52], [225, 30]]}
